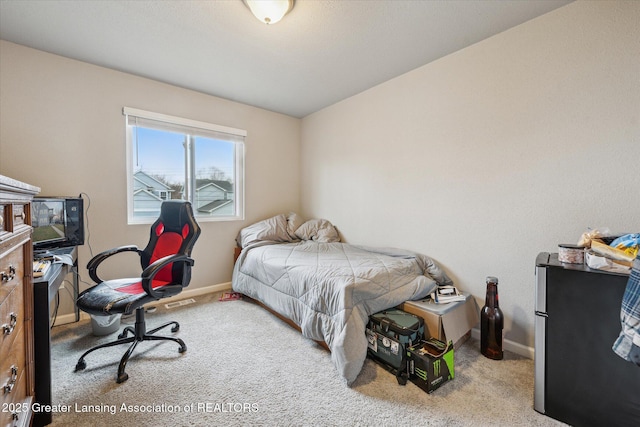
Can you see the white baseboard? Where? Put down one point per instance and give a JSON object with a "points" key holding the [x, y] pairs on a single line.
{"points": [[189, 293], [509, 345]]}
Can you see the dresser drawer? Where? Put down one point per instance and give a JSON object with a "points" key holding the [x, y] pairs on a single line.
{"points": [[12, 368], [11, 319], [11, 273], [3, 221], [11, 297], [17, 407], [19, 215]]}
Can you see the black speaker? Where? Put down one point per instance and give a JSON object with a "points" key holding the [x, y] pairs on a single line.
{"points": [[75, 221]]}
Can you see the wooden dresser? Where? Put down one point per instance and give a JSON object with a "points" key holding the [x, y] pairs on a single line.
{"points": [[16, 303]]}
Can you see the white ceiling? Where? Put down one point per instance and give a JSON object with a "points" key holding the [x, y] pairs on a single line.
{"points": [[322, 52]]}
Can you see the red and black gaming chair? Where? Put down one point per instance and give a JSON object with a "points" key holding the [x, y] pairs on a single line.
{"points": [[166, 264]]}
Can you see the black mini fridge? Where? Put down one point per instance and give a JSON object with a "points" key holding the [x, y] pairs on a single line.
{"points": [[579, 380]]}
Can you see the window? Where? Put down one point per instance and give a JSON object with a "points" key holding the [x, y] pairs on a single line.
{"points": [[175, 158]]}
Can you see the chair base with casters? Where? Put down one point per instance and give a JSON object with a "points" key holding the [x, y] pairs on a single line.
{"points": [[166, 269], [139, 333]]}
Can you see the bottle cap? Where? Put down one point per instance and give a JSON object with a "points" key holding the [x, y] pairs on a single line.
{"points": [[491, 279]]}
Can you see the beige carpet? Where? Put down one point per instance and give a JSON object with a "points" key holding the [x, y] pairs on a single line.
{"points": [[243, 366]]}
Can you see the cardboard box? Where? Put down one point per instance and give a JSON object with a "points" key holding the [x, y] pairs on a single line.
{"points": [[446, 322], [430, 365]]}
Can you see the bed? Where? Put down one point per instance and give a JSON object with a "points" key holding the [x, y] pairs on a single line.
{"points": [[303, 272]]}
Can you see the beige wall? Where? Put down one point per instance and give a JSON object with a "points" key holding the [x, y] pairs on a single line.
{"points": [[492, 154], [62, 129]]}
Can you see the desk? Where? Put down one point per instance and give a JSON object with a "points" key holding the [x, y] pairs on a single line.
{"points": [[45, 289]]}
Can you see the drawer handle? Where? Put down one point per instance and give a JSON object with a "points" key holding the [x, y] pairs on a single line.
{"points": [[13, 321], [12, 380], [12, 273]]}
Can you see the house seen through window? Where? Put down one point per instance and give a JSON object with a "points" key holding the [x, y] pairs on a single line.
{"points": [[175, 158]]}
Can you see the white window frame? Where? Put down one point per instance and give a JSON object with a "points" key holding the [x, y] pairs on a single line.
{"points": [[204, 129]]}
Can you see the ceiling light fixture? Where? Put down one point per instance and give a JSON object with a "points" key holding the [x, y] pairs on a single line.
{"points": [[269, 11]]}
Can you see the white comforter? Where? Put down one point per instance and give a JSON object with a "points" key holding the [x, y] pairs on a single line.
{"points": [[326, 287]]}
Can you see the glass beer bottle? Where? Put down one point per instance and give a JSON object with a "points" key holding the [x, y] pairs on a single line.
{"points": [[491, 322]]}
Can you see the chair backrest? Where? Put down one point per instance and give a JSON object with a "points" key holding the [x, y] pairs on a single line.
{"points": [[174, 232]]}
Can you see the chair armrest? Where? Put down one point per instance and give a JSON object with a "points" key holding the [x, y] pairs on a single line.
{"points": [[93, 264], [149, 273]]}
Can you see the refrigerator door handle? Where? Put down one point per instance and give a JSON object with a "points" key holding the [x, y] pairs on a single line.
{"points": [[539, 362], [541, 290], [540, 330]]}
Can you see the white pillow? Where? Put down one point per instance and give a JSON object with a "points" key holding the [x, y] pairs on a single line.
{"points": [[273, 229], [319, 230], [294, 221]]}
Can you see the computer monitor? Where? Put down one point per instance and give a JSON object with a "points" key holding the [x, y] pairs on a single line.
{"points": [[57, 222]]}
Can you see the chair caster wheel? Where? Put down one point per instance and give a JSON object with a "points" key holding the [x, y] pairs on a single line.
{"points": [[80, 365], [182, 349], [175, 328], [122, 377]]}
